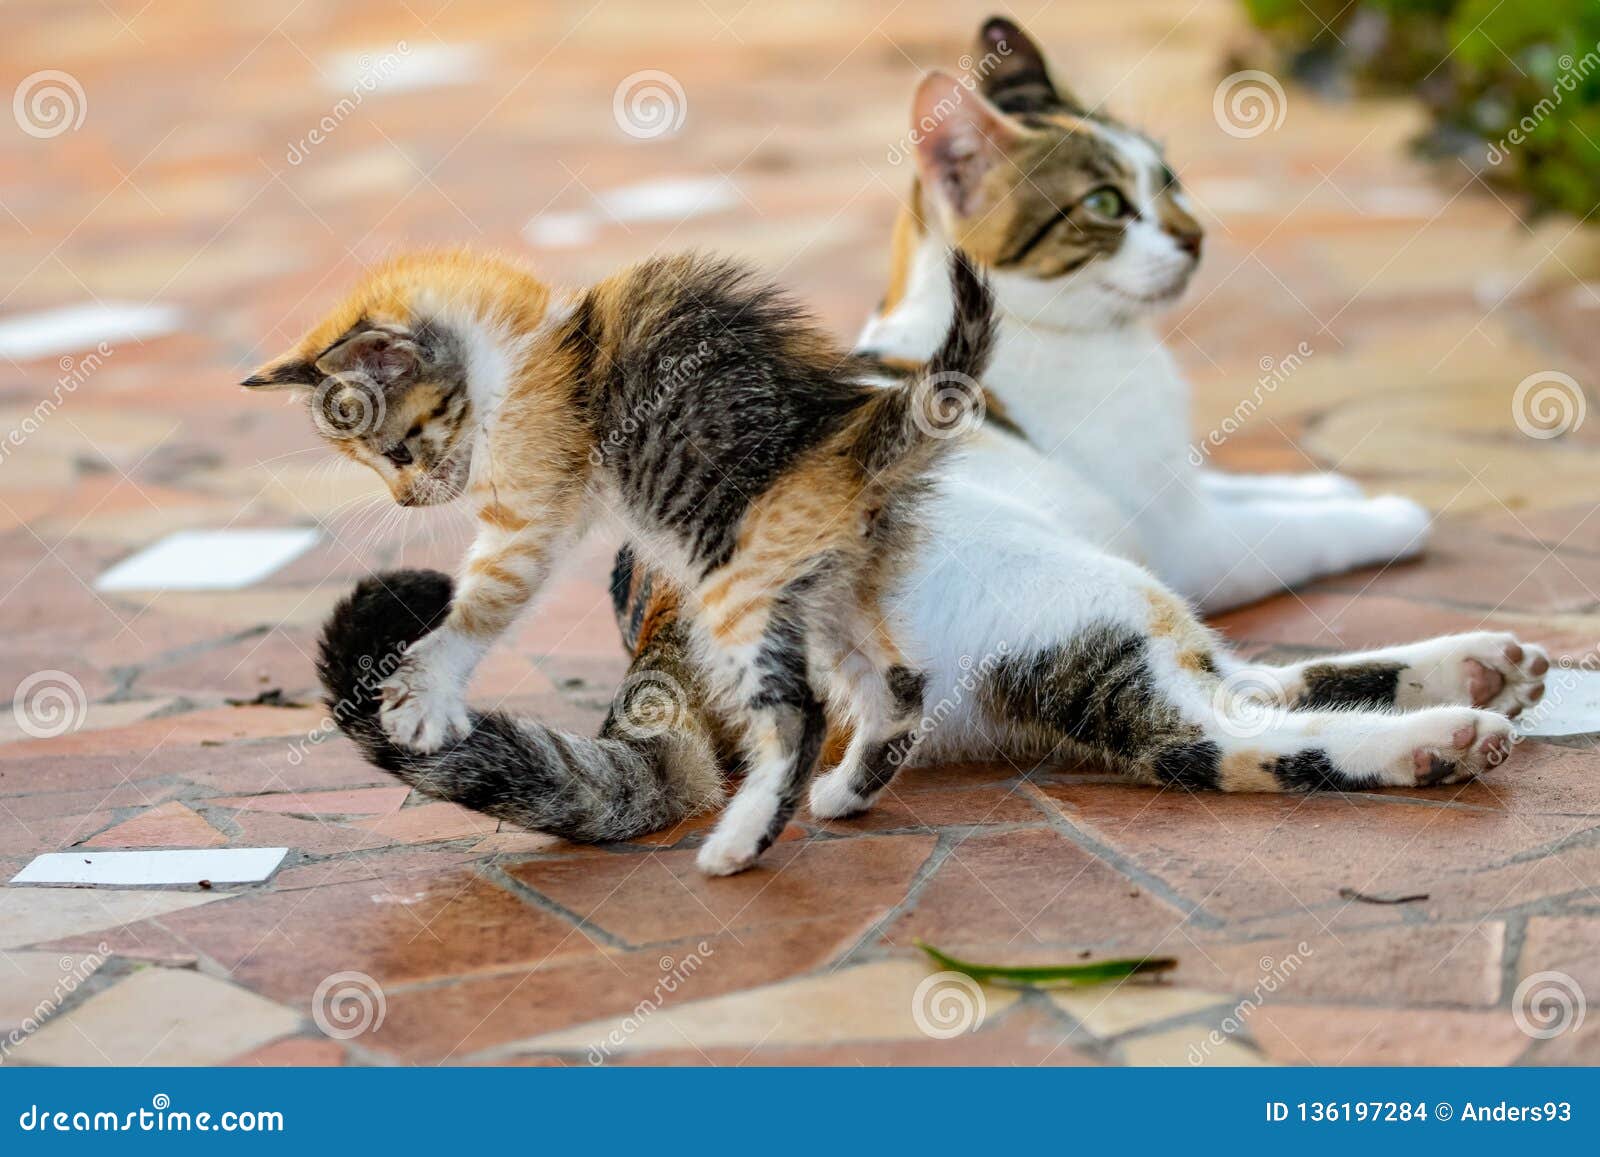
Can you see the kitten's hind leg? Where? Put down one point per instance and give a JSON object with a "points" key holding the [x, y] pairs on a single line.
{"points": [[1288, 487], [887, 701], [756, 652], [1489, 669]]}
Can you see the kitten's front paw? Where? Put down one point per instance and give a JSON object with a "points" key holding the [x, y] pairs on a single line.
{"points": [[725, 857], [420, 713], [1493, 670]]}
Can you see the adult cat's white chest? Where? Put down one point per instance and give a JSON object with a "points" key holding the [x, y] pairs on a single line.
{"points": [[1108, 403]]}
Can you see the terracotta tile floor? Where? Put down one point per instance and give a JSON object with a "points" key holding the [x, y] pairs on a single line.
{"points": [[193, 203]]}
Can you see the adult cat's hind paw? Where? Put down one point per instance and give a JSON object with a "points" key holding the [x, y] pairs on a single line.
{"points": [[1453, 746], [1492, 670]]}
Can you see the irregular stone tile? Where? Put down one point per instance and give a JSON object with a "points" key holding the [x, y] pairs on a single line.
{"points": [[372, 801], [1241, 856], [430, 822], [663, 896], [34, 915], [1022, 1037], [373, 865], [1188, 1047], [879, 1001], [1342, 622], [1025, 887], [477, 1014], [96, 716], [395, 930], [1358, 1035], [512, 843], [1112, 1009], [295, 1053], [219, 725], [161, 1016], [1447, 964], [34, 985], [170, 825], [909, 808]]}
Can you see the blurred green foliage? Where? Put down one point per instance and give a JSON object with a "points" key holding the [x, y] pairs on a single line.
{"points": [[1513, 85]]}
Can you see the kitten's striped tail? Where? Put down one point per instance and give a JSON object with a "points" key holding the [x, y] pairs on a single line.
{"points": [[909, 426], [632, 780]]}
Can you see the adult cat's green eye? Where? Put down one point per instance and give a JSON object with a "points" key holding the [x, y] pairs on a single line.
{"points": [[1106, 203]]}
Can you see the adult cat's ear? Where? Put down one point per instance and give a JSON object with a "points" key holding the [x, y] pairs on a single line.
{"points": [[290, 372], [960, 137], [1012, 72], [387, 358]]}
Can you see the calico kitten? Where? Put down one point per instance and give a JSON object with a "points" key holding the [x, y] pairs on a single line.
{"points": [[773, 479]]}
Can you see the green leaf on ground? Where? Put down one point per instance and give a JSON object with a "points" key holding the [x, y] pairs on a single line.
{"points": [[1026, 975]]}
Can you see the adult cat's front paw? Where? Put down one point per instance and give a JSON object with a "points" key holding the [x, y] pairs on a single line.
{"points": [[420, 711]]}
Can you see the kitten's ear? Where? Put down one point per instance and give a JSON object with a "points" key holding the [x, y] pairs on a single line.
{"points": [[290, 372], [960, 137], [1013, 72], [389, 359]]}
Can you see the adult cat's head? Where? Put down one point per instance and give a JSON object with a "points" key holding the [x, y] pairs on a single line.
{"points": [[396, 375], [1079, 218]]}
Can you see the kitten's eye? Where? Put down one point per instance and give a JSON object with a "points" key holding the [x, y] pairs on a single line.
{"points": [[1107, 203], [400, 456]]}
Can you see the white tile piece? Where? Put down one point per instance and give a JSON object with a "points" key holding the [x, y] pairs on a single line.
{"points": [[148, 868], [669, 199], [404, 66], [1571, 706], [71, 328], [208, 560]]}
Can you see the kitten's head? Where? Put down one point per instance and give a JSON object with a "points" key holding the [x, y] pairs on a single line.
{"points": [[385, 379], [1079, 217]]}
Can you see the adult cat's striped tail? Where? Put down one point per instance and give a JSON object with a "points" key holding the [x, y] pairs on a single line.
{"points": [[619, 785]]}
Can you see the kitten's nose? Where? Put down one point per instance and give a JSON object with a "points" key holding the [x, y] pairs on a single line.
{"points": [[1188, 242]]}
